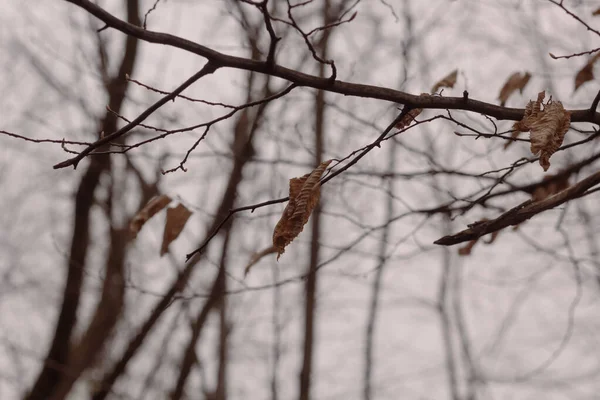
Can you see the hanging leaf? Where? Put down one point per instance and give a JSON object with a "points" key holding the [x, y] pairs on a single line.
{"points": [[257, 256], [410, 116], [586, 73], [176, 220], [304, 196], [155, 204], [547, 127], [597, 12], [467, 248], [515, 82], [550, 186], [449, 82]]}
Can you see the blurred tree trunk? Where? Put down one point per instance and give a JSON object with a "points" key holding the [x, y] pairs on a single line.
{"points": [[57, 365], [311, 280]]}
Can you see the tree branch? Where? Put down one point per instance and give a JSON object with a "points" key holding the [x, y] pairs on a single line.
{"points": [[217, 60], [520, 213]]}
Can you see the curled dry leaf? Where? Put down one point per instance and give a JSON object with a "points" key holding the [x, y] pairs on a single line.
{"points": [[257, 256], [448, 81], [547, 127], [467, 248], [586, 73], [176, 220], [155, 204], [515, 82], [304, 196], [550, 186], [597, 12], [410, 116]]}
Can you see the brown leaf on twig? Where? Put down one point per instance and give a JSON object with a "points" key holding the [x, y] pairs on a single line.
{"points": [[597, 12], [550, 186], [257, 256], [448, 81], [586, 73], [467, 249], [155, 204], [515, 82], [410, 116], [547, 127], [304, 196], [176, 220]]}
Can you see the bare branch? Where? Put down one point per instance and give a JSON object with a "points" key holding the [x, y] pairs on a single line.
{"points": [[521, 213]]}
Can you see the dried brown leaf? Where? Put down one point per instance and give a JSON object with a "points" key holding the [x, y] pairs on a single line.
{"points": [[586, 73], [257, 256], [410, 116], [468, 248], [176, 220], [155, 204], [448, 81], [304, 196], [597, 12], [547, 127], [550, 186], [515, 82]]}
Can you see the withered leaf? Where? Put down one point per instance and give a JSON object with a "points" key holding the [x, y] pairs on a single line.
{"points": [[550, 186], [516, 81], [468, 248], [597, 12], [257, 256], [547, 127], [449, 81], [586, 73], [155, 204], [304, 196], [176, 220], [410, 116]]}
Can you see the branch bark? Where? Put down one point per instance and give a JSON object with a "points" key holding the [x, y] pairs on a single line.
{"points": [[217, 60], [521, 213]]}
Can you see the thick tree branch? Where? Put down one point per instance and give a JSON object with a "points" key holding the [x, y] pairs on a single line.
{"points": [[217, 60], [302, 79]]}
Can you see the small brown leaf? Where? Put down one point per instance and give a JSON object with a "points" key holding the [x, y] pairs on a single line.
{"points": [[547, 127], [597, 12], [547, 189], [257, 256], [410, 116], [304, 196], [448, 81], [466, 249], [155, 204], [586, 73], [176, 220], [515, 82]]}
